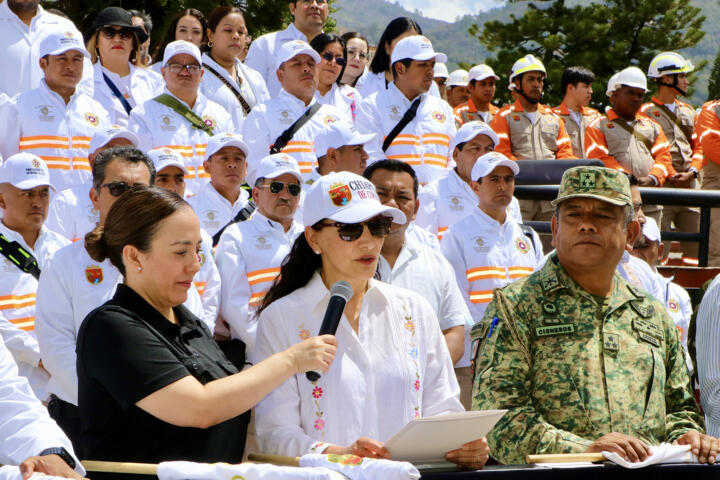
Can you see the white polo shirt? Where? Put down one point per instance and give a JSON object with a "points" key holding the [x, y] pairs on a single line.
{"points": [[214, 210], [343, 97], [72, 213], [141, 85], [369, 83], [249, 256]]}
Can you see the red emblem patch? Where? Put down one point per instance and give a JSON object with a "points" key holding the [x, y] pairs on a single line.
{"points": [[94, 274], [340, 194]]}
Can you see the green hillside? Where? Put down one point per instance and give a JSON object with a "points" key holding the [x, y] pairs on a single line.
{"points": [[371, 16]]}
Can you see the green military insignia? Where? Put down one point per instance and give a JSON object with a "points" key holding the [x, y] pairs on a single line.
{"points": [[649, 338], [635, 290], [550, 282], [587, 179], [562, 329], [644, 311], [479, 330], [549, 308], [611, 342], [648, 327]]}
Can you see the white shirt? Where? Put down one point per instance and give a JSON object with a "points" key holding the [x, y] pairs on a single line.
{"points": [[17, 306], [424, 143], [20, 61], [269, 120], [679, 306], [214, 210], [638, 273], [707, 338], [249, 256], [261, 56], [422, 236], [448, 200], [39, 122], [140, 85], [252, 88], [369, 83], [486, 255], [72, 213], [423, 270], [343, 97], [26, 428], [157, 125], [396, 368], [71, 286]]}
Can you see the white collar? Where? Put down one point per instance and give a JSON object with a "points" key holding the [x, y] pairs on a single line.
{"points": [[396, 91], [199, 100], [44, 86], [13, 235], [294, 101]]}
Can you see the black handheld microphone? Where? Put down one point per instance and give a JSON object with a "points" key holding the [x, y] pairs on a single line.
{"points": [[340, 293]]}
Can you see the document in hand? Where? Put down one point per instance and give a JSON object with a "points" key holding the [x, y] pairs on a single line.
{"points": [[428, 439]]}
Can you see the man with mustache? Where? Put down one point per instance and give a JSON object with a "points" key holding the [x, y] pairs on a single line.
{"points": [[424, 140], [582, 360], [296, 69], [629, 141]]}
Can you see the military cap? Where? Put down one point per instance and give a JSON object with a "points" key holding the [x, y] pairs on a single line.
{"points": [[606, 184]]}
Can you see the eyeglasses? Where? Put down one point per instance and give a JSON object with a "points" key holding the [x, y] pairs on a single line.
{"points": [[329, 57], [277, 187], [176, 68], [349, 232], [115, 188], [123, 33], [362, 55]]}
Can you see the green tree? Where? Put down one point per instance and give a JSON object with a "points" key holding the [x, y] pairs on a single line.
{"points": [[714, 83], [604, 37]]}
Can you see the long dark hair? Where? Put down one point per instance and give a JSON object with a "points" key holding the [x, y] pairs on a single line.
{"points": [[347, 36], [170, 32], [323, 40], [381, 61], [296, 271], [216, 15]]}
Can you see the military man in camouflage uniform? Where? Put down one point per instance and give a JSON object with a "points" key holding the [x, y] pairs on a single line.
{"points": [[582, 360]]}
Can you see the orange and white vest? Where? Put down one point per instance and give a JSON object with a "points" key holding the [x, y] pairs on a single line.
{"points": [[157, 125], [269, 120], [39, 122], [424, 143], [249, 256]]}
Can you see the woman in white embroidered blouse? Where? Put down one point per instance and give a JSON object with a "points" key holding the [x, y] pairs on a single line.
{"points": [[391, 365]]}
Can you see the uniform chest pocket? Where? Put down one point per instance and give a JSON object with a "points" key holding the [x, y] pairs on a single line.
{"points": [[549, 139]]}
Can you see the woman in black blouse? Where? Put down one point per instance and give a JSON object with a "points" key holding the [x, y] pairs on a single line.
{"points": [[153, 385]]}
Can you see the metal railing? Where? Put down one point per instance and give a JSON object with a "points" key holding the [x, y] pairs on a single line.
{"points": [[539, 180]]}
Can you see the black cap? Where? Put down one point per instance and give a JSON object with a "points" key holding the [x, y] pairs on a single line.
{"points": [[118, 17]]}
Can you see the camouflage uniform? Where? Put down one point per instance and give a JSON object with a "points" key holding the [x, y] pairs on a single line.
{"points": [[571, 367]]}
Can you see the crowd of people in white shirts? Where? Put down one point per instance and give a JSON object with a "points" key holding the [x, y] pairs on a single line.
{"points": [[215, 112]]}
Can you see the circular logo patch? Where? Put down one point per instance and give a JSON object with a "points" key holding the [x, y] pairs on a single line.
{"points": [[36, 163], [209, 121], [673, 306], [439, 117], [92, 119], [522, 245]]}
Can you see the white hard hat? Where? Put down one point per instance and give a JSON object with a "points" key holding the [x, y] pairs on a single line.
{"points": [[669, 63], [611, 84], [458, 78], [441, 70], [630, 77], [528, 63]]}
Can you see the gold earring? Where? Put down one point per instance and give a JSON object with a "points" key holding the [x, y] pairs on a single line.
{"points": [[210, 43]]}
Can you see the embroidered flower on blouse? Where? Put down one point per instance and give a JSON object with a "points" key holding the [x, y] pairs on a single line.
{"points": [[409, 324], [317, 392], [319, 424], [304, 333], [413, 352], [417, 384]]}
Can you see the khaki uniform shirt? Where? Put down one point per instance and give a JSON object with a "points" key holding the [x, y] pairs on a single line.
{"points": [[576, 132], [685, 151]]}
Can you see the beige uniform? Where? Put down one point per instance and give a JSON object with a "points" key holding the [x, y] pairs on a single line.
{"points": [[575, 130]]}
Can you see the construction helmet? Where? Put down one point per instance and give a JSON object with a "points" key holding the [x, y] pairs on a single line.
{"points": [[611, 84], [528, 63], [669, 63], [630, 77]]}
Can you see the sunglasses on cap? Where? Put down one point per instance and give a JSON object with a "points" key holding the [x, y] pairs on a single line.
{"points": [[379, 227], [116, 188], [277, 187], [110, 32], [329, 57]]}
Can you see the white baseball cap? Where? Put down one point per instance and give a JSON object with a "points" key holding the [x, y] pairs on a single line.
{"points": [[416, 47], [294, 48], [347, 198], [458, 78], [103, 136], [222, 140], [481, 72], [471, 130], [651, 230], [166, 157], [181, 46], [339, 134], [58, 41], [25, 171], [441, 70], [485, 164], [275, 165]]}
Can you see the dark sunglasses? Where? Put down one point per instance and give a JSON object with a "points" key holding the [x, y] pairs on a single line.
{"points": [[124, 33], [115, 188], [277, 187], [379, 227], [329, 57]]}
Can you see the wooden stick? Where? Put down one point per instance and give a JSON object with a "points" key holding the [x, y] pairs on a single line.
{"points": [[565, 458], [274, 459], [120, 467]]}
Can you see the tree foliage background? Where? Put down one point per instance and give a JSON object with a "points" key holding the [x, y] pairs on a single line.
{"points": [[261, 16], [606, 37]]}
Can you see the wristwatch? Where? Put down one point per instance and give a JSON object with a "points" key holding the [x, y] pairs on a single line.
{"points": [[60, 452]]}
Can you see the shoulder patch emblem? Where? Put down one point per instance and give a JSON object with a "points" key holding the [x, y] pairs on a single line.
{"points": [[92, 119], [94, 274]]}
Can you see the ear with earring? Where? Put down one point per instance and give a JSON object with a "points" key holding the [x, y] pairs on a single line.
{"points": [[139, 269]]}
